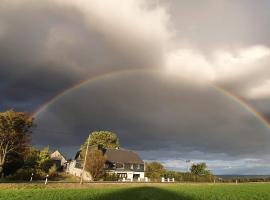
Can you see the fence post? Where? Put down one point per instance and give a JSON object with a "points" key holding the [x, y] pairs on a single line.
{"points": [[46, 180], [31, 179]]}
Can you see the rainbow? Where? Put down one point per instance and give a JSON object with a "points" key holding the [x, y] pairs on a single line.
{"points": [[218, 88], [81, 83], [243, 103]]}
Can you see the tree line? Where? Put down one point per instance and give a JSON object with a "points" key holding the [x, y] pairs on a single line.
{"points": [[198, 172]]}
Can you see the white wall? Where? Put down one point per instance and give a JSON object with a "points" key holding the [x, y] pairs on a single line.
{"points": [[71, 169]]}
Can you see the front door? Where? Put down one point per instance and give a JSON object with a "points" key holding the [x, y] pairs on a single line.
{"points": [[136, 176]]}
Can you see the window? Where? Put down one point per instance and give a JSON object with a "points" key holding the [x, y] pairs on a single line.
{"points": [[122, 175], [78, 165], [127, 166], [119, 166]]}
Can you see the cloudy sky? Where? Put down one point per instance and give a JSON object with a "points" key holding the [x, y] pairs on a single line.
{"points": [[175, 79]]}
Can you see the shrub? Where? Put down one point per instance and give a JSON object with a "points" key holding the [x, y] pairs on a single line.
{"points": [[110, 177], [26, 173], [53, 171]]}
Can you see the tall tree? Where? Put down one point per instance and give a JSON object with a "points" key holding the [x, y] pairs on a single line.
{"points": [[102, 139], [15, 130], [154, 170], [95, 163], [200, 169]]}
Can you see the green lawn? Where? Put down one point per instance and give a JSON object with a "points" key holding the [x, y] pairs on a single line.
{"points": [[144, 192]]}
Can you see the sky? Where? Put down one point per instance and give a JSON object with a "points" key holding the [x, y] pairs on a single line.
{"points": [[176, 80]]}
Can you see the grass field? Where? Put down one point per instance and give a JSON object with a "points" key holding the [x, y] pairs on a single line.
{"points": [[259, 191]]}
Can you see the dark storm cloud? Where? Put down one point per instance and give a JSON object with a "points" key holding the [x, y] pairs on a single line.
{"points": [[151, 112], [45, 47]]}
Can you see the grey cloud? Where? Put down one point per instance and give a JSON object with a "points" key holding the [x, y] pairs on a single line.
{"points": [[46, 47], [213, 24], [150, 112], [50, 46]]}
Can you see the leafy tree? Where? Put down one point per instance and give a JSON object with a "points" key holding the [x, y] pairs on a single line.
{"points": [[154, 170], [95, 163], [15, 130], [102, 139], [199, 169], [37, 162], [14, 161], [44, 160], [32, 158]]}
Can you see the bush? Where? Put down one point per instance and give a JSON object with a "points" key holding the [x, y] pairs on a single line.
{"points": [[23, 174], [110, 177], [26, 173], [53, 171]]}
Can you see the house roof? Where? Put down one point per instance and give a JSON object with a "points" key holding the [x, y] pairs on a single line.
{"points": [[122, 156], [56, 155]]}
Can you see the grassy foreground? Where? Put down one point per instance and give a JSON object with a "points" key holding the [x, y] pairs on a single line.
{"points": [[141, 192]]}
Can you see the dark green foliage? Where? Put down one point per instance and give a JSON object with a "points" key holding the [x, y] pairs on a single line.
{"points": [[37, 162], [199, 169], [154, 171], [102, 139], [189, 177], [44, 160], [14, 162], [15, 130], [110, 177]]}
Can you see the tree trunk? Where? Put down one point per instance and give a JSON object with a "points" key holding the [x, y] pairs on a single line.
{"points": [[1, 171], [2, 162]]}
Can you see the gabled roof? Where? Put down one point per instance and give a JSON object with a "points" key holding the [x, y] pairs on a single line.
{"points": [[122, 156], [56, 155]]}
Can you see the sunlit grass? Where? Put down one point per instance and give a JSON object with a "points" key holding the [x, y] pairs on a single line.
{"points": [[141, 192]]}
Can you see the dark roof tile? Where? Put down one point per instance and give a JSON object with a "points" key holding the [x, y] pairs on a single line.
{"points": [[122, 156]]}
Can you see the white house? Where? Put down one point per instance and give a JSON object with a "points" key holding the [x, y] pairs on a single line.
{"points": [[126, 164]]}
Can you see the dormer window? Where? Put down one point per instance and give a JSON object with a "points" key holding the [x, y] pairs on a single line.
{"points": [[119, 165]]}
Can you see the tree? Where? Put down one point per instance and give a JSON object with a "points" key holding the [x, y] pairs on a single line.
{"points": [[199, 169], [14, 161], [44, 160], [15, 130], [102, 139], [95, 163], [36, 162], [154, 170]]}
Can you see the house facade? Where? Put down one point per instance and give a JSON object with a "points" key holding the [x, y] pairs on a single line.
{"points": [[75, 168], [126, 164], [58, 159]]}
